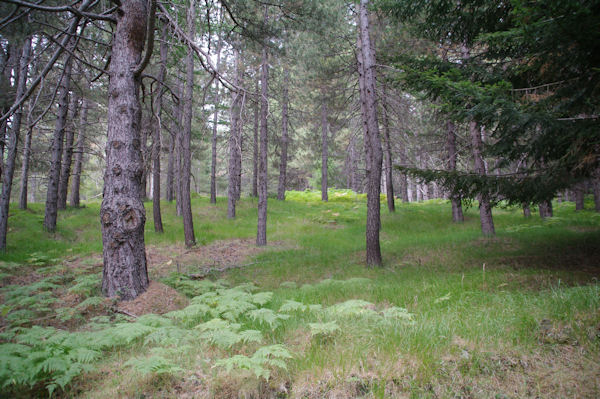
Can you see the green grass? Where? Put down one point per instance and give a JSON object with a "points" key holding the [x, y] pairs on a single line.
{"points": [[475, 300]]}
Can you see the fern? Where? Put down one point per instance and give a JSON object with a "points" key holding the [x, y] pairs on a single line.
{"points": [[323, 329], [153, 364], [90, 302], [352, 308], [267, 316], [272, 355], [399, 314], [87, 284]]}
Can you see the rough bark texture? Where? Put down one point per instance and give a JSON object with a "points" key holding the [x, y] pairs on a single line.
{"points": [[25, 168], [186, 136], [261, 234], [374, 140], [13, 138], [235, 135], [80, 147], [122, 213], [389, 182], [257, 104], [457, 213], [156, 133], [57, 149], [213, 159], [67, 158], [324, 150], [284, 137], [485, 208]]}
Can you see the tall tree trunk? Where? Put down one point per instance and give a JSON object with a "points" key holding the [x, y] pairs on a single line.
{"points": [[213, 159], [389, 182], [374, 140], [457, 213], [235, 135], [122, 213], [157, 132], [186, 164], [485, 208], [67, 158], [9, 169], [596, 183], [179, 149], [255, 142], [261, 234], [403, 177], [169, 191], [80, 148], [57, 148], [579, 196], [25, 168], [324, 148], [284, 136]]}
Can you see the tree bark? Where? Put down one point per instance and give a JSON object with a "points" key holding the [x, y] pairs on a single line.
{"points": [[169, 191], [179, 149], [25, 168], [374, 140], [545, 208], [261, 235], [20, 68], [284, 137], [255, 142], [324, 148], [156, 133], [213, 160], [235, 135], [389, 182], [457, 213], [485, 208], [596, 183], [186, 164], [57, 148], [67, 157], [80, 148], [122, 213]]}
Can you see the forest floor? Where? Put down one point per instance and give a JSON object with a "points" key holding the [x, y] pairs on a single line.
{"points": [[449, 315]]}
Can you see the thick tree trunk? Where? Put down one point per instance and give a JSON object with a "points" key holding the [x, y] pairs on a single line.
{"points": [[213, 159], [255, 142], [374, 140], [389, 182], [485, 208], [284, 137], [122, 213], [20, 68], [186, 161], [580, 196], [457, 213], [261, 235], [67, 158], [157, 132], [57, 149], [235, 135], [324, 149], [25, 169], [80, 148]]}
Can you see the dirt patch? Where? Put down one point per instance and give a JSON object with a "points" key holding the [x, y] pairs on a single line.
{"points": [[163, 260], [158, 299]]}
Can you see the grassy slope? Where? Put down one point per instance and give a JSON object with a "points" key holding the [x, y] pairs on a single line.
{"points": [[471, 319]]}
